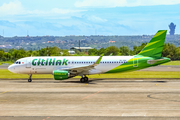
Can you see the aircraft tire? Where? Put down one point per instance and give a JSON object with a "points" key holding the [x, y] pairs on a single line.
{"points": [[82, 80], [86, 79], [29, 80]]}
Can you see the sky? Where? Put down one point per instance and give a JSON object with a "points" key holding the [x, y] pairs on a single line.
{"points": [[87, 17]]}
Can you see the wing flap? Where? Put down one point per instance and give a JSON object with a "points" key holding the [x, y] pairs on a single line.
{"points": [[84, 68]]}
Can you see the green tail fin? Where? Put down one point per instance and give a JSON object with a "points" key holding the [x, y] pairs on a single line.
{"points": [[155, 46]]}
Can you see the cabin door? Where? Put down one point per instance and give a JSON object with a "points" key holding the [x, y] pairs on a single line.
{"points": [[135, 62], [28, 61]]}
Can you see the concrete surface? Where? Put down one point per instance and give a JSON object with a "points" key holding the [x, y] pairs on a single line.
{"points": [[163, 68], [4, 66], [99, 99]]}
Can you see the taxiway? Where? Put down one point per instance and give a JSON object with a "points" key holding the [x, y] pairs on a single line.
{"points": [[100, 98]]}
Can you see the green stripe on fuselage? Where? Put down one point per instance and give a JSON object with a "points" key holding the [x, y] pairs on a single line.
{"points": [[137, 63]]}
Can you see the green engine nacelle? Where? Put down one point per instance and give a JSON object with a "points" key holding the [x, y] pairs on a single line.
{"points": [[60, 75]]}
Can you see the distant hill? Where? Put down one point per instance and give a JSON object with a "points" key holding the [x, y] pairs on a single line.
{"points": [[66, 42]]}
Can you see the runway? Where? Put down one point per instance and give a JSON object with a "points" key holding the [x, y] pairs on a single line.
{"points": [[99, 99]]}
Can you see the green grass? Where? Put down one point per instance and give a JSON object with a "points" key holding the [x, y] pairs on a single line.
{"points": [[4, 73], [140, 74], [172, 63]]}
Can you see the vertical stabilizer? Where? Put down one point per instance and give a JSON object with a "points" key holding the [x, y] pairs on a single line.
{"points": [[155, 46]]}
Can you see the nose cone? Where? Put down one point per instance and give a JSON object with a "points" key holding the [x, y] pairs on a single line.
{"points": [[11, 68]]}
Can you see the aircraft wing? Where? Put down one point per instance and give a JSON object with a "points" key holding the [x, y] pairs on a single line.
{"points": [[80, 69]]}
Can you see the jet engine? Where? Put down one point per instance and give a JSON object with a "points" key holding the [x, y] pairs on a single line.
{"points": [[61, 75]]}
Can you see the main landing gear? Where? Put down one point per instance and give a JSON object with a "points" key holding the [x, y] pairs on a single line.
{"points": [[84, 79], [30, 80]]}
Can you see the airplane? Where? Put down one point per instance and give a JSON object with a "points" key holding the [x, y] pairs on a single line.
{"points": [[65, 67]]}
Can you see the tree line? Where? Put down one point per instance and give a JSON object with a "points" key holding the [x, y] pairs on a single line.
{"points": [[169, 50]]}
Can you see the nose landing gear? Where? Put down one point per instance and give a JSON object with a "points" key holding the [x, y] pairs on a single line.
{"points": [[30, 80]]}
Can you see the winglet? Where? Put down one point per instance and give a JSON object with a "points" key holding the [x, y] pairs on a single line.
{"points": [[99, 59], [111, 54]]}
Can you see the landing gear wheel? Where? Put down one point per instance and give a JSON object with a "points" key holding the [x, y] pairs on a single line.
{"points": [[86, 79], [29, 80], [82, 80]]}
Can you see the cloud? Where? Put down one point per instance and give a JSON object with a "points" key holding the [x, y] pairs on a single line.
{"points": [[64, 11], [41, 25], [53, 11], [16, 8], [12, 8], [7, 23], [124, 3], [94, 18]]}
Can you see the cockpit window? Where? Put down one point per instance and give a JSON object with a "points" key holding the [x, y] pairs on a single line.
{"points": [[17, 62]]}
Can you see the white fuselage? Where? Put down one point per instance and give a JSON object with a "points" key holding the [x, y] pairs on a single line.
{"points": [[46, 65]]}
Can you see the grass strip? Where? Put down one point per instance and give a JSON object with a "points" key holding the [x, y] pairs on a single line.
{"points": [[4, 73], [172, 63]]}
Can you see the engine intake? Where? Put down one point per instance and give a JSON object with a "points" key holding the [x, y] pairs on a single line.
{"points": [[61, 75]]}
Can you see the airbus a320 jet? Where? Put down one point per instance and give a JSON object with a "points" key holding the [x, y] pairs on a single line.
{"points": [[65, 67]]}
